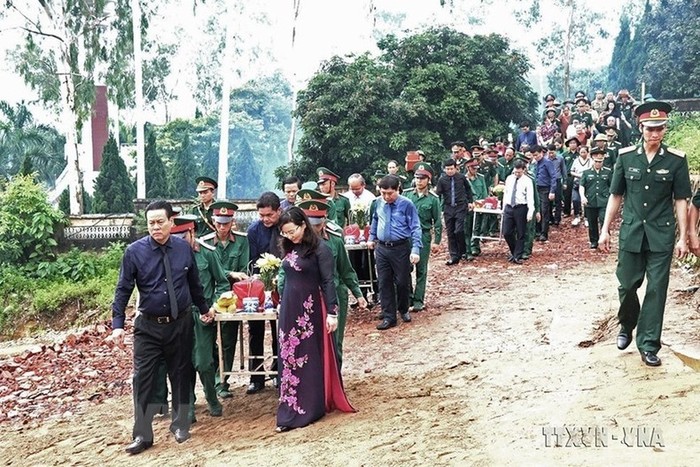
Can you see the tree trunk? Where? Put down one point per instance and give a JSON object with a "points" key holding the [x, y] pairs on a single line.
{"points": [[225, 101], [138, 89]]}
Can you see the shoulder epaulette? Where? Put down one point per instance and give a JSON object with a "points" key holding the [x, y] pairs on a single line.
{"points": [[205, 244], [409, 190], [431, 192], [240, 234], [333, 227], [335, 233], [209, 236], [626, 150], [676, 152]]}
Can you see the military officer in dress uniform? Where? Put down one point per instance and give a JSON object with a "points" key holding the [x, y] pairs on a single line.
{"points": [[654, 182], [531, 227], [430, 217], [480, 190], [233, 251], [206, 189], [344, 275], [327, 181], [594, 189]]}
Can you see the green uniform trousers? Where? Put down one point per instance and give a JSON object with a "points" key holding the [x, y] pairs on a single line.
{"points": [[529, 237], [648, 319], [229, 338], [417, 299], [342, 291]]}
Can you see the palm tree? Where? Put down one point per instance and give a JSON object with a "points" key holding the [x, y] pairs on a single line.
{"points": [[21, 138]]}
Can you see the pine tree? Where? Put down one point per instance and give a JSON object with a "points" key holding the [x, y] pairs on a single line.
{"points": [[114, 190], [156, 177], [183, 171], [622, 45], [244, 173]]}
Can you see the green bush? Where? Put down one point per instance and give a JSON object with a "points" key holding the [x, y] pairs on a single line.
{"points": [[684, 134], [27, 222]]}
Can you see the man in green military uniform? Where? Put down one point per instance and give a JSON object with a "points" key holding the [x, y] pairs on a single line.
{"points": [[327, 181], [430, 216], [612, 147], [653, 180], [214, 283], [344, 275], [505, 163], [480, 190], [594, 189], [531, 227], [206, 188], [233, 251], [570, 154]]}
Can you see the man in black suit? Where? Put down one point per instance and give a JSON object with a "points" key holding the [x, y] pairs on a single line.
{"points": [[456, 195]]}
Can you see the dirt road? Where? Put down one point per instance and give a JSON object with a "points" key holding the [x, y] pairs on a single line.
{"points": [[490, 374]]}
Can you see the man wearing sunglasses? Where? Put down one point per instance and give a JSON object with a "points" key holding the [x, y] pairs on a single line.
{"points": [[654, 182]]}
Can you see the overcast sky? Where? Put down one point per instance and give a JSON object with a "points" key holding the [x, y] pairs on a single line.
{"points": [[324, 28]]}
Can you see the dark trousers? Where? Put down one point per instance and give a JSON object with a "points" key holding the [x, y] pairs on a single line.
{"points": [[454, 225], [567, 195], [544, 211], [595, 217], [514, 222], [649, 316], [394, 274], [153, 343], [256, 346], [555, 208]]}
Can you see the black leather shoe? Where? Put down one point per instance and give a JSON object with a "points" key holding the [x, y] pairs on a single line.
{"points": [[255, 387], [181, 435], [517, 261], [623, 341], [451, 262], [594, 246], [406, 317], [385, 324], [282, 429], [651, 359], [138, 445]]}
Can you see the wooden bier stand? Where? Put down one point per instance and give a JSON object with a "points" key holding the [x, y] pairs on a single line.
{"points": [[241, 318]]}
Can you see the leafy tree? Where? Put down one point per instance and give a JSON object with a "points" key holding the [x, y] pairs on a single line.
{"points": [[27, 222], [66, 41], [616, 71], [114, 190], [156, 175], [662, 52], [425, 91], [27, 167]]}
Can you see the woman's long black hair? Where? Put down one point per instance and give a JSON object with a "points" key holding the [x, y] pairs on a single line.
{"points": [[309, 241]]}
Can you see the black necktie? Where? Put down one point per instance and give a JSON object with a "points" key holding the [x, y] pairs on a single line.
{"points": [[169, 282], [512, 197]]}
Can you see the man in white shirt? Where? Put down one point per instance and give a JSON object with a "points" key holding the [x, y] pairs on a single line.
{"points": [[518, 209], [357, 192]]}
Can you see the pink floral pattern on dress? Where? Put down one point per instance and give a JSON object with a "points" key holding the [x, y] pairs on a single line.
{"points": [[291, 361], [291, 259]]}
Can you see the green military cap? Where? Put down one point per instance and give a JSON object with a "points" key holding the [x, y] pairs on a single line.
{"points": [[305, 194], [309, 186], [183, 223], [325, 174], [223, 211], [315, 210], [523, 157], [379, 175], [598, 154], [653, 113], [423, 169], [206, 183]]}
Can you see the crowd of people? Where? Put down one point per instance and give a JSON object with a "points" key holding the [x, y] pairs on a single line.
{"points": [[543, 177]]}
